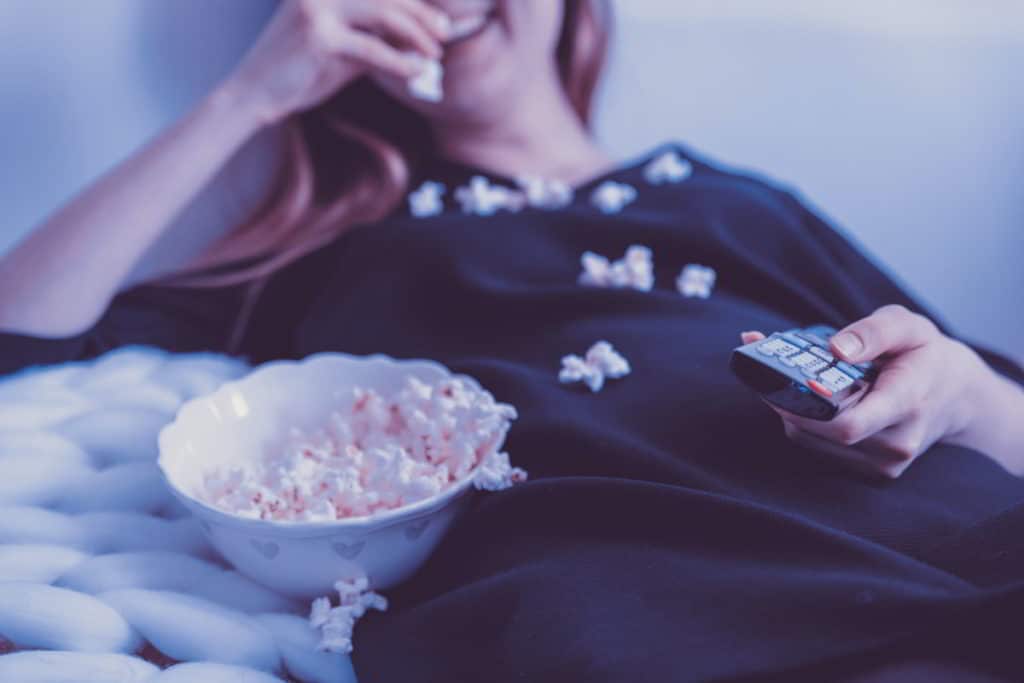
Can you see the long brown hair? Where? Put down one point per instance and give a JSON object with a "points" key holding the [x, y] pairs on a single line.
{"points": [[350, 162]]}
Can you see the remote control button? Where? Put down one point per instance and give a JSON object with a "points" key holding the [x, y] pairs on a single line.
{"points": [[795, 340], [851, 370], [835, 380], [822, 353], [814, 368], [777, 347], [806, 359], [819, 388], [787, 349]]}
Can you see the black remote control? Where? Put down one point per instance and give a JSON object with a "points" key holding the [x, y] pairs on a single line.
{"points": [[795, 371]]}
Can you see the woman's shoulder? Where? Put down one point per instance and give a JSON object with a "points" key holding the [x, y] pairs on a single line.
{"points": [[725, 172], [709, 180]]}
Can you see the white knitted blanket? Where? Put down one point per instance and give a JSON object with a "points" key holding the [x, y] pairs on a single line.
{"points": [[104, 578]]}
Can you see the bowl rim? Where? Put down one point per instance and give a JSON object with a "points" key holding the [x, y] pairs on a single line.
{"points": [[361, 523]]}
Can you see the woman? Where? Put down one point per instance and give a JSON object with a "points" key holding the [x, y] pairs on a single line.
{"points": [[671, 530]]}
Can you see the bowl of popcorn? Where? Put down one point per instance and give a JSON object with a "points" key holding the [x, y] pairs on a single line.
{"points": [[336, 467]]}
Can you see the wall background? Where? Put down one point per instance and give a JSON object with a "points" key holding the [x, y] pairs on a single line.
{"points": [[903, 121]]}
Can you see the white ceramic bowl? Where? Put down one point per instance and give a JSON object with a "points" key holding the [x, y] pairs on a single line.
{"points": [[302, 559]]}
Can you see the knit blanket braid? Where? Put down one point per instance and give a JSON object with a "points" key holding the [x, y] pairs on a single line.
{"points": [[104, 577]]}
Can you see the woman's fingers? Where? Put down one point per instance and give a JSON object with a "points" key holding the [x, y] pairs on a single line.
{"points": [[889, 330], [903, 442], [406, 30], [371, 51], [435, 21], [872, 457], [751, 337]]}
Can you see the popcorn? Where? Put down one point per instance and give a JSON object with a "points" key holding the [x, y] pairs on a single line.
{"points": [[496, 473], [337, 623], [696, 281], [611, 197], [601, 362], [611, 364], [427, 84], [545, 194], [635, 270], [482, 198], [427, 200], [667, 168], [375, 453]]}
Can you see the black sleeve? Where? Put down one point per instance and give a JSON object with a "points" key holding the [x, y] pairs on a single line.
{"points": [[861, 285], [172, 318]]}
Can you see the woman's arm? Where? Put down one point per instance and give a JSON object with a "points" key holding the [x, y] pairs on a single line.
{"points": [[997, 424], [60, 280]]}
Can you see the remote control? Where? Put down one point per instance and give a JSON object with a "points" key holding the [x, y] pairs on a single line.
{"points": [[795, 371]]}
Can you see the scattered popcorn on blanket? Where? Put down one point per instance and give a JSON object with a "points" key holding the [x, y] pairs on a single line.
{"points": [[337, 623], [667, 168], [696, 281], [612, 197], [375, 453], [635, 270], [542, 193], [427, 84], [601, 362], [320, 612], [482, 198], [427, 200]]}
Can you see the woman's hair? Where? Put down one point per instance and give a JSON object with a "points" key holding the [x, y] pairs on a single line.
{"points": [[350, 161]]}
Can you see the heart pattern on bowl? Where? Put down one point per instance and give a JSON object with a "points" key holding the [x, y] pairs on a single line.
{"points": [[267, 549], [349, 551], [416, 529]]}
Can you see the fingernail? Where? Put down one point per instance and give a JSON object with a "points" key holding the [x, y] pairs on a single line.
{"points": [[848, 344]]}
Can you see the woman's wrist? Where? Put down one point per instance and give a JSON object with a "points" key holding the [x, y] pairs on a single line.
{"points": [[996, 424], [240, 106]]}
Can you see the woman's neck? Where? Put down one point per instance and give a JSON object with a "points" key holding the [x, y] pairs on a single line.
{"points": [[542, 136]]}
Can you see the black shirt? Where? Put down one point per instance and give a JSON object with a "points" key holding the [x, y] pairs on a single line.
{"points": [[670, 531]]}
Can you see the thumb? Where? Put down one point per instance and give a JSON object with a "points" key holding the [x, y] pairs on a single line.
{"points": [[889, 330]]}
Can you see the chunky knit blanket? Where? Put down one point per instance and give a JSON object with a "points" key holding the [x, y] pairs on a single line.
{"points": [[104, 577]]}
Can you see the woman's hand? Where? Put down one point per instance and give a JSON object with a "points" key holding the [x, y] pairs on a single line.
{"points": [[930, 388], [312, 48]]}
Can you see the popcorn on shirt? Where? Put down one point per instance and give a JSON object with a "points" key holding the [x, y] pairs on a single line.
{"points": [[543, 193], [482, 198], [611, 197], [600, 363], [696, 281], [635, 270], [667, 168], [427, 200]]}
